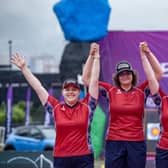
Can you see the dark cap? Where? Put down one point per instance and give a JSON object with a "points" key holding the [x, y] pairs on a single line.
{"points": [[123, 66], [71, 82]]}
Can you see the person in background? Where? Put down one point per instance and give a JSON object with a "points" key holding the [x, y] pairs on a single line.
{"points": [[162, 144], [73, 117], [125, 142]]}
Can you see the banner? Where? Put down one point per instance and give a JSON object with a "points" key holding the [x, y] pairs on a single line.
{"points": [[48, 118], [8, 120], [26, 159], [122, 45], [27, 115]]}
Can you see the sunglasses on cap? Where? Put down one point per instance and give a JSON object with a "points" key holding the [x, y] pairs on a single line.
{"points": [[123, 66], [125, 72], [71, 82]]}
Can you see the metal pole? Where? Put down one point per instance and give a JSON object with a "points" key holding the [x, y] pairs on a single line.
{"points": [[10, 51]]}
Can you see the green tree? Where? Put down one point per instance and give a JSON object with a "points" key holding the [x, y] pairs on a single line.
{"points": [[2, 113], [18, 112]]}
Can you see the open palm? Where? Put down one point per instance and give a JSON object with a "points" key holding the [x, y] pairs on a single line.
{"points": [[18, 60]]}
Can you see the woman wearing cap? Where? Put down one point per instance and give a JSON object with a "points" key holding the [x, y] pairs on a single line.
{"points": [[162, 145], [125, 141], [73, 117]]}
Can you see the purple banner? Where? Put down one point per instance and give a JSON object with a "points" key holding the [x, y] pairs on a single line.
{"points": [[121, 45], [27, 115], [48, 118], [9, 111]]}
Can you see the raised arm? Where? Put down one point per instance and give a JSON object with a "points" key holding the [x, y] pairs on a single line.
{"points": [[152, 81], [19, 61], [94, 71], [152, 59], [86, 75]]}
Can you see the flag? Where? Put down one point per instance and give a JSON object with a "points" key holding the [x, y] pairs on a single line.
{"points": [[48, 118], [8, 120], [27, 115]]}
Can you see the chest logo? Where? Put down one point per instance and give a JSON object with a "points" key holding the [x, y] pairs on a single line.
{"points": [[63, 108], [118, 91]]}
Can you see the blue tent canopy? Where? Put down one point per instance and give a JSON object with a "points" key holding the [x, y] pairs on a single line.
{"points": [[83, 20]]}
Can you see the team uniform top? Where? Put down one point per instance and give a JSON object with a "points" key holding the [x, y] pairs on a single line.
{"points": [[126, 112], [73, 126], [163, 139]]}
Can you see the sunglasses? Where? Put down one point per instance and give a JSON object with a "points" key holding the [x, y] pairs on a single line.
{"points": [[125, 73]]}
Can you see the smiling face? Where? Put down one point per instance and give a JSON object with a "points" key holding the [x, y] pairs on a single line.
{"points": [[71, 94], [125, 79]]}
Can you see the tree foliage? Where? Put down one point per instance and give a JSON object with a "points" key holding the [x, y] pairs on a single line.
{"points": [[18, 112]]}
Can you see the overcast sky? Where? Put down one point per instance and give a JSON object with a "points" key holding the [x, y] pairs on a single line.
{"points": [[144, 15], [35, 31], [32, 26]]}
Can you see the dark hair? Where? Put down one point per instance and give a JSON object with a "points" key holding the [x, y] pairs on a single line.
{"points": [[117, 82]]}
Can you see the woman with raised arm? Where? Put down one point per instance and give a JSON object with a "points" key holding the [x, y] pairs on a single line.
{"points": [[125, 140], [72, 117]]}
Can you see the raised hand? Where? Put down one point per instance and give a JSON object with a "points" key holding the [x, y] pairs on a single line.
{"points": [[144, 48], [18, 60], [94, 50]]}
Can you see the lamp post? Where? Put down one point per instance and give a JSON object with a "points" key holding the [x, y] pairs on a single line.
{"points": [[10, 51]]}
